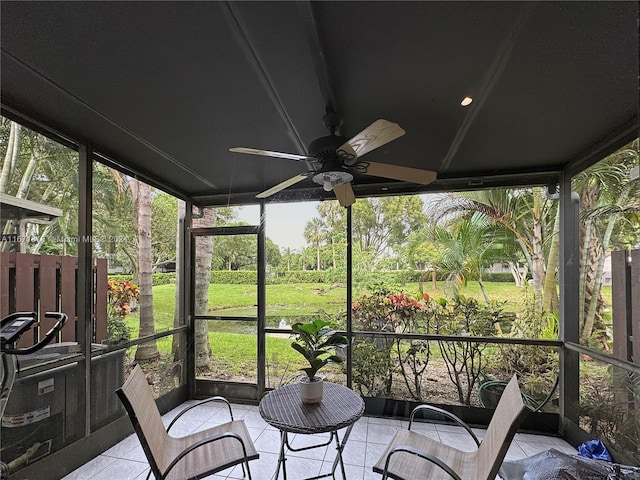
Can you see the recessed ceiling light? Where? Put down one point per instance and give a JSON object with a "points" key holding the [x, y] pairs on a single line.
{"points": [[466, 101]]}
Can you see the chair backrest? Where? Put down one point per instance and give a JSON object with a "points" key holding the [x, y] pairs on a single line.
{"points": [[141, 407], [506, 419]]}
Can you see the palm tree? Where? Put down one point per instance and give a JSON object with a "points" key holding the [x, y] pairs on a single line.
{"points": [[523, 216], [203, 256], [550, 292], [467, 248], [175, 344], [142, 206], [606, 196], [287, 253], [314, 233], [11, 155], [335, 220]]}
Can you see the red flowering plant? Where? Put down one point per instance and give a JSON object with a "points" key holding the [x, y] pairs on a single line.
{"points": [[389, 311], [405, 310], [120, 299], [372, 312]]}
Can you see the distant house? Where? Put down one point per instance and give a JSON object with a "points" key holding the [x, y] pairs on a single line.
{"points": [[606, 272], [165, 267]]}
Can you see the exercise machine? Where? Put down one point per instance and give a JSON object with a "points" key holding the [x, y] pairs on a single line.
{"points": [[12, 327]]}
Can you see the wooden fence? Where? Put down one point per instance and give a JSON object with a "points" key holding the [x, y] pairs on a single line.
{"points": [[44, 283]]}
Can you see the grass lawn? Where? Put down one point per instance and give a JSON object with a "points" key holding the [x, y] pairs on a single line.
{"points": [[235, 341]]}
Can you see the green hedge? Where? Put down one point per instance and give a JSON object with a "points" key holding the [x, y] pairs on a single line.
{"points": [[504, 277], [246, 277], [232, 277], [156, 278]]}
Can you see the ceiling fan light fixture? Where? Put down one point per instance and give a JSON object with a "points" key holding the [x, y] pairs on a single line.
{"points": [[466, 101], [328, 180]]}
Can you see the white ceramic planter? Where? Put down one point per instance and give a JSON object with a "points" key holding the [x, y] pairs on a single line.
{"points": [[311, 392]]}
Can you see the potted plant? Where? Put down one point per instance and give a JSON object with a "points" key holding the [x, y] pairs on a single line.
{"points": [[317, 342]]}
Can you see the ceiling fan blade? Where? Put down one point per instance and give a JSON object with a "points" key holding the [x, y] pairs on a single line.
{"points": [[375, 135], [344, 194], [283, 185], [397, 172], [269, 153]]}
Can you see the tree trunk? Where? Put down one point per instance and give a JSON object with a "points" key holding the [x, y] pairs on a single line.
{"points": [[550, 292], [519, 277], [23, 189], [537, 252], [595, 303], [333, 253], [149, 350], [13, 148], [318, 258], [485, 295], [175, 346], [203, 255], [537, 258], [590, 252]]}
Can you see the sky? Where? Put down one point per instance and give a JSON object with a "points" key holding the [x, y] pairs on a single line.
{"points": [[285, 222]]}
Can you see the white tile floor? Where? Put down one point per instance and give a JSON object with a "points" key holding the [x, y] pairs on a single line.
{"points": [[126, 460]]}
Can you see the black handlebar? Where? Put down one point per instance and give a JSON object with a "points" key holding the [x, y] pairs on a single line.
{"points": [[62, 319], [15, 315]]}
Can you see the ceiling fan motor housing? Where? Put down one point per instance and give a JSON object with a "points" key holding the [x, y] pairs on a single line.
{"points": [[324, 148]]}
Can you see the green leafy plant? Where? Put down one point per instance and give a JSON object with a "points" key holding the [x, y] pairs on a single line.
{"points": [[121, 295], [461, 317], [317, 342], [372, 367]]}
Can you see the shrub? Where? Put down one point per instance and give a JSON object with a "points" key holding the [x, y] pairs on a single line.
{"points": [[121, 297], [156, 278], [464, 362], [372, 367], [536, 365], [503, 277], [234, 277]]}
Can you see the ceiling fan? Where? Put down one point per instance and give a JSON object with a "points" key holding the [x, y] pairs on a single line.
{"points": [[335, 158]]}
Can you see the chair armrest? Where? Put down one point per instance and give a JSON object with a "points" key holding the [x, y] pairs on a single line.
{"points": [[202, 442], [206, 400], [421, 454], [449, 415]]}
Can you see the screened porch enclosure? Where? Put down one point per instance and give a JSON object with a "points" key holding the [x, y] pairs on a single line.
{"points": [[130, 203]]}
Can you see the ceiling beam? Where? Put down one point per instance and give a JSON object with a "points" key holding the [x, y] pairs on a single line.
{"points": [[318, 55], [251, 54]]}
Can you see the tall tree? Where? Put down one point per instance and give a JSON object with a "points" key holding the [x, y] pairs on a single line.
{"points": [[468, 247], [142, 205], [287, 254], [523, 213], [551, 303], [175, 345], [39, 169], [606, 197], [11, 155], [335, 220], [422, 254], [25, 181], [164, 208], [385, 223], [315, 233], [204, 251]]}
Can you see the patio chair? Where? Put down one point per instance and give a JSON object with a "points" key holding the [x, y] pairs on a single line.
{"points": [[193, 456], [411, 456]]}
